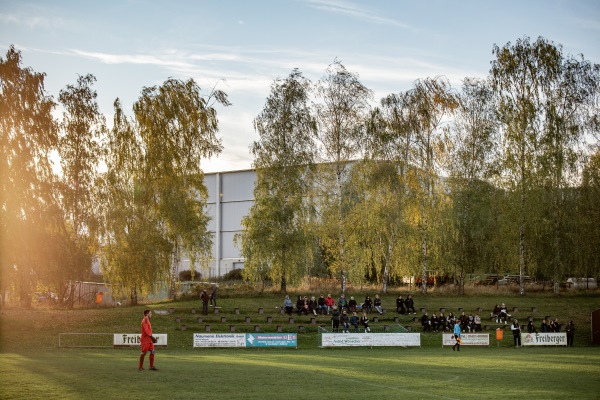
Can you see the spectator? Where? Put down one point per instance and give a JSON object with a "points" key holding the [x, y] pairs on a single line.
{"points": [[342, 302], [368, 305], [213, 295], [442, 322], [299, 305], [329, 303], [530, 326], [503, 316], [312, 305], [434, 322], [364, 321], [410, 304], [477, 321], [345, 321], [354, 321], [451, 321], [204, 297], [352, 304], [335, 319], [400, 305], [464, 321], [554, 325], [457, 336], [570, 333], [496, 312], [321, 307], [516, 331], [377, 304], [288, 306], [544, 327], [426, 323], [471, 323]]}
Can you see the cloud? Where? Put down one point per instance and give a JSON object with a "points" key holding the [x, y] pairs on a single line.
{"points": [[345, 8], [31, 21]]}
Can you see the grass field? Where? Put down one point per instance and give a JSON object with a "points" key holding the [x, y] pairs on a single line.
{"points": [[33, 367]]}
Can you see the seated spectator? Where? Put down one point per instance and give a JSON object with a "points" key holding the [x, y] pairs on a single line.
{"points": [[471, 323], [400, 305], [342, 302], [442, 322], [503, 315], [410, 304], [377, 304], [434, 322], [329, 303], [288, 306], [300, 309], [368, 305], [352, 304], [364, 320], [530, 327], [312, 305], [496, 312], [354, 321], [426, 323], [345, 321], [450, 321], [321, 307], [477, 321]]}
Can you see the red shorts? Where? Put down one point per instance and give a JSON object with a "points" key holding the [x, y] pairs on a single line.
{"points": [[147, 345]]}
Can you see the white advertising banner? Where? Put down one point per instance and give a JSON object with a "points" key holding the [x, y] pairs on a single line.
{"points": [[467, 339], [544, 339], [219, 340], [134, 339], [370, 339]]}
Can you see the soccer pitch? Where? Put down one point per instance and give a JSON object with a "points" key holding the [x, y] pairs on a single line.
{"points": [[366, 373]]}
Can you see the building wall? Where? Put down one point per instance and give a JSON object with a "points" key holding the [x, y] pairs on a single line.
{"points": [[230, 196]]}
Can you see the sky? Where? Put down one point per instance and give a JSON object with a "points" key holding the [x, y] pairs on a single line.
{"points": [[242, 46]]}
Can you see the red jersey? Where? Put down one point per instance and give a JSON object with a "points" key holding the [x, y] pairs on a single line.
{"points": [[146, 342]]}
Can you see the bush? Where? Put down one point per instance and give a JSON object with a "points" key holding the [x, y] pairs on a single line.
{"points": [[186, 276], [233, 275]]}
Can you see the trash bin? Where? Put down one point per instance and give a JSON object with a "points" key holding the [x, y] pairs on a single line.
{"points": [[499, 334], [99, 297]]}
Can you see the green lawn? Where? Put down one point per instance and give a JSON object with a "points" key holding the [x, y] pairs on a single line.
{"points": [[33, 367]]}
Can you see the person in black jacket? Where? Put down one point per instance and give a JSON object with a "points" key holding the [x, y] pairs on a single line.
{"points": [[570, 333], [516, 331], [426, 323], [400, 305], [410, 304]]}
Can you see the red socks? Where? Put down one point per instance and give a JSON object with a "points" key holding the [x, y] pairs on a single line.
{"points": [[151, 360]]}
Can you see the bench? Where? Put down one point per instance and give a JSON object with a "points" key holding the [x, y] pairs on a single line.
{"points": [[261, 310], [217, 310], [247, 320], [193, 311], [269, 320], [236, 310], [223, 319]]}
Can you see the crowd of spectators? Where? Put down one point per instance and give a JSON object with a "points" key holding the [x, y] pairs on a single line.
{"points": [[325, 305]]}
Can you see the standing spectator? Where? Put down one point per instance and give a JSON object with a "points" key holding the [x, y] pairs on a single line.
{"points": [[147, 342], [204, 297], [364, 320], [213, 295], [544, 327], [410, 304], [335, 319], [352, 304], [288, 306], [345, 321], [377, 304], [457, 336], [329, 302], [368, 305], [555, 325], [426, 323], [464, 321], [354, 321], [321, 307], [516, 331], [570, 333], [400, 305]]}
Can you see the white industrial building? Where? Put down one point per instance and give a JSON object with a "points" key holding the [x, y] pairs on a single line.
{"points": [[230, 196]]}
